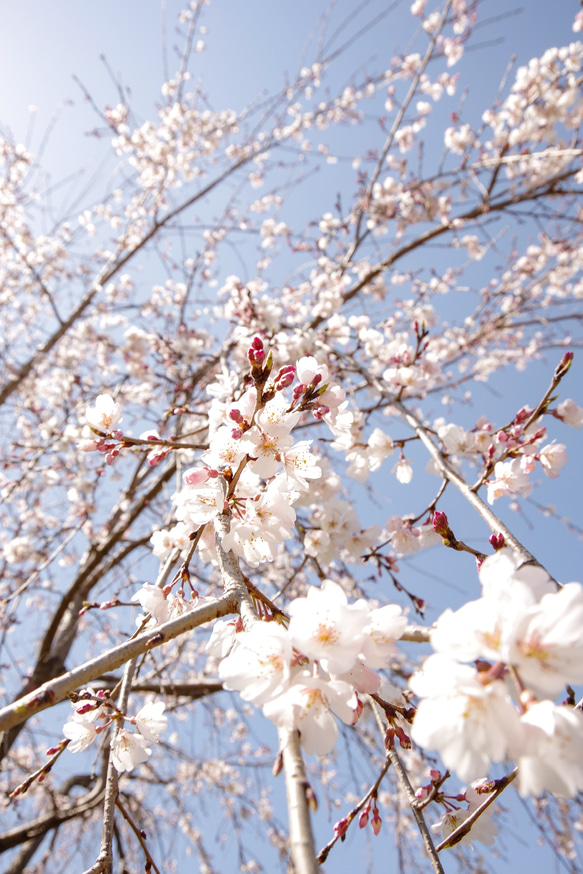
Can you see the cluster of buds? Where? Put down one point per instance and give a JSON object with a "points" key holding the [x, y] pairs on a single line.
{"points": [[306, 397], [240, 421], [430, 791], [261, 363], [376, 821]]}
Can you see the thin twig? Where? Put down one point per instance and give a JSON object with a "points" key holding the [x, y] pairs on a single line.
{"points": [[409, 792], [462, 830]]}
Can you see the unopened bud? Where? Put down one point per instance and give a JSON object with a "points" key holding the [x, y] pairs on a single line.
{"points": [[363, 818], [497, 541], [340, 828], [376, 822], [564, 365], [441, 525]]}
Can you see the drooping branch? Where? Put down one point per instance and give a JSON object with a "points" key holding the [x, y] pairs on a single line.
{"points": [[104, 861]]}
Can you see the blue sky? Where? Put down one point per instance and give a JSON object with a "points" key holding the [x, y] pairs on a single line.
{"points": [[252, 47]]}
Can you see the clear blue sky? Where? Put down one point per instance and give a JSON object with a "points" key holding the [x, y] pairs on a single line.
{"points": [[252, 46]]}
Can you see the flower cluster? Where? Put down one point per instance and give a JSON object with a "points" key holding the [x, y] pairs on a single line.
{"points": [[302, 675], [93, 713], [525, 639]]}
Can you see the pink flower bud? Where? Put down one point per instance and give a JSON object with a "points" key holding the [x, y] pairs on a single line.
{"points": [[196, 475], [522, 415], [341, 827], [363, 818], [236, 433], [496, 541], [441, 524], [320, 411], [564, 365], [376, 822], [236, 416]]}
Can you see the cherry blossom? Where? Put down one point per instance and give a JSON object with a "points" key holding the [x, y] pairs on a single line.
{"points": [[259, 663], [326, 628], [129, 749], [306, 707], [471, 723], [105, 414], [151, 721], [81, 732], [267, 403]]}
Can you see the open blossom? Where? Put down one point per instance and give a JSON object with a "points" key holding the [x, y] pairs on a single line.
{"points": [[128, 750], [404, 539], [509, 480], [151, 721], [81, 732], [570, 413], [551, 759], [306, 706], [153, 601], [308, 369], [325, 628], [300, 465], [380, 446], [105, 414], [483, 829], [384, 627], [469, 722], [546, 646], [521, 621], [259, 663], [196, 505], [553, 457]]}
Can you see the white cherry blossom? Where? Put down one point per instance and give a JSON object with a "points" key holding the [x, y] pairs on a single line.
{"points": [[307, 705], [325, 628], [259, 663], [129, 749], [151, 721], [105, 414]]}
